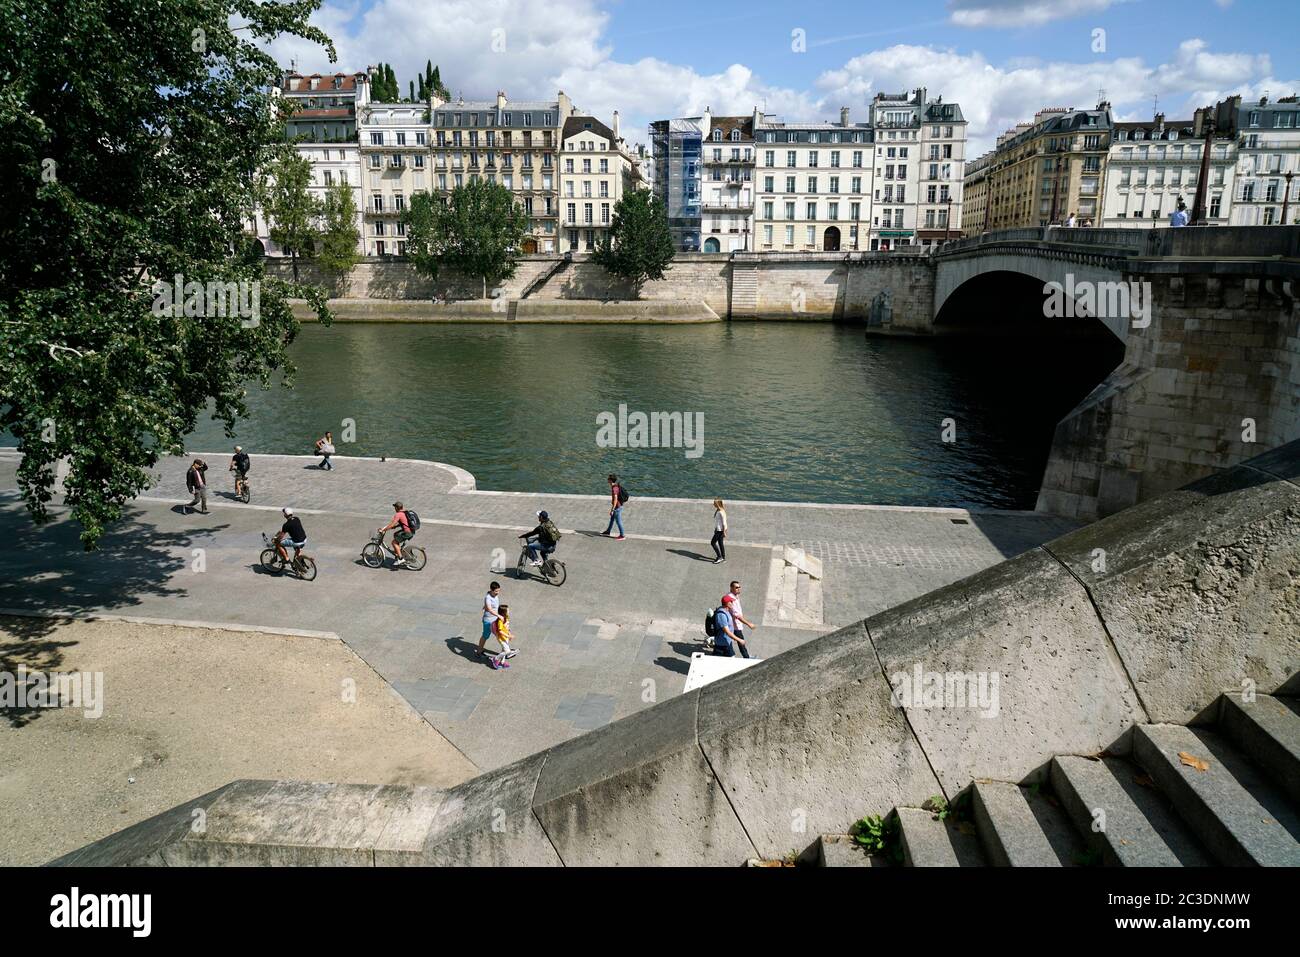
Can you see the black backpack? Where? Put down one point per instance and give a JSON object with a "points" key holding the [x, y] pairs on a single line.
{"points": [[710, 627], [622, 494], [412, 519]]}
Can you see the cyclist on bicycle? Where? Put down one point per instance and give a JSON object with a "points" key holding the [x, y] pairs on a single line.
{"points": [[547, 536], [402, 531], [239, 464], [290, 533]]}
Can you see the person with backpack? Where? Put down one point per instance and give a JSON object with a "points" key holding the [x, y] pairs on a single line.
{"points": [[723, 634], [405, 523], [617, 499], [546, 536]]}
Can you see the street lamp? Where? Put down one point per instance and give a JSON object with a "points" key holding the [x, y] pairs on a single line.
{"points": [[1286, 195]]}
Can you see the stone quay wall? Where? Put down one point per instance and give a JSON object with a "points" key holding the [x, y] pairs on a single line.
{"points": [[881, 289]]}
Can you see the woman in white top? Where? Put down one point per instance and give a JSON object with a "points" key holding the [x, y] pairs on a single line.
{"points": [[719, 532]]}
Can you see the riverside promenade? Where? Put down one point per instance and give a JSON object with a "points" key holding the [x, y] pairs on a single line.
{"points": [[615, 638]]}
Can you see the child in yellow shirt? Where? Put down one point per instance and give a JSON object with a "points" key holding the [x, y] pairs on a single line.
{"points": [[501, 630]]}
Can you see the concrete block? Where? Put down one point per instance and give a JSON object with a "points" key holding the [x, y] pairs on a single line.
{"points": [[1023, 636], [1199, 588], [488, 821], [640, 792], [807, 742], [1019, 828]]}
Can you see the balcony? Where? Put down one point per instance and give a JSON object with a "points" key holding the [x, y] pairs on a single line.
{"points": [[716, 206]]}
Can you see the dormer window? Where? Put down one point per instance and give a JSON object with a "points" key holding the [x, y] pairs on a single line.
{"points": [[717, 135], [735, 136]]}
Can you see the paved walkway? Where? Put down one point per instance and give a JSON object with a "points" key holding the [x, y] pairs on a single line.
{"points": [[615, 638]]}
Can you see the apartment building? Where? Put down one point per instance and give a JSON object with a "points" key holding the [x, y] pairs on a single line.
{"points": [[1268, 159], [594, 170], [324, 106], [975, 195], [516, 144], [813, 184], [1156, 164], [676, 148], [727, 184], [395, 164], [920, 164], [1043, 172]]}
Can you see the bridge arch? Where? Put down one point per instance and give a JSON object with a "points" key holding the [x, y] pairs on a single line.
{"points": [[963, 281]]}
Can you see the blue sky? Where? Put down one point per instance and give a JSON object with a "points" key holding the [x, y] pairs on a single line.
{"points": [[1000, 59]]}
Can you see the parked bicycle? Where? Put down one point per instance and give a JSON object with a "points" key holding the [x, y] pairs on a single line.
{"points": [[551, 569], [301, 565], [375, 550]]}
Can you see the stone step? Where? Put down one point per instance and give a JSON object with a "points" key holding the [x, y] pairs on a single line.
{"points": [[929, 842], [1020, 828], [1239, 816], [840, 850], [1132, 825], [1267, 732]]}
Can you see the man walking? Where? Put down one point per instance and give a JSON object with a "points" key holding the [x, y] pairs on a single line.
{"points": [[617, 499], [725, 639], [491, 615], [1179, 216], [738, 615], [197, 484]]}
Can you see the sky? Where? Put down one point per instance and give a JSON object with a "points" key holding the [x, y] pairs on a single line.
{"points": [[1001, 60]]}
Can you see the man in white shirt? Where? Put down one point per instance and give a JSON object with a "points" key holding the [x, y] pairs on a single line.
{"points": [[491, 602], [738, 614]]}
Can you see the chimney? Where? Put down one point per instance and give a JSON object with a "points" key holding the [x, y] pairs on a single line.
{"points": [[501, 99], [844, 116], [565, 105], [616, 136]]}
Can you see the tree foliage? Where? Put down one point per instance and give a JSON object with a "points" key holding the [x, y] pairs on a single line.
{"points": [[292, 212], [639, 246], [134, 132], [339, 239], [477, 230]]}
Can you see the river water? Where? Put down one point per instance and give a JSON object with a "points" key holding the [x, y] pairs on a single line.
{"points": [[789, 411]]}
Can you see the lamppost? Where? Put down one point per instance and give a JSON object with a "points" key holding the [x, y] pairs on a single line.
{"points": [[1286, 194]]}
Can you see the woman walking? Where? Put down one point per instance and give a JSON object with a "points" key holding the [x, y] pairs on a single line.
{"points": [[325, 448], [719, 532]]}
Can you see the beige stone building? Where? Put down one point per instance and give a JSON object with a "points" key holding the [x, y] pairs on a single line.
{"points": [[594, 170], [516, 144], [1044, 172]]}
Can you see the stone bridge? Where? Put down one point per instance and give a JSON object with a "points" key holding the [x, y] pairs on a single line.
{"points": [[1210, 374]]}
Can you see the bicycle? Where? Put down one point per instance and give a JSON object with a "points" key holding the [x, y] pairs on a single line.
{"points": [[552, 569], [374, 551], [242, 491], [301, 565]]}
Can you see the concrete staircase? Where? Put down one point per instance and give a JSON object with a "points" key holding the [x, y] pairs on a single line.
{"points": [[1222, 793], [542, 278], [794, 589], [744, 290]]}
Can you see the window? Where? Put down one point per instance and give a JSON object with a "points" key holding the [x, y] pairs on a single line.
{"points": [[789, 210], [812, 184], [377, 139], [790, 158], [768, 184], [812, 235], [811, 211], [789, 184], [812, 158]]}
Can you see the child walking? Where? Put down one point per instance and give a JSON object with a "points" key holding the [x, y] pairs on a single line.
{"points": [[501, 631]]}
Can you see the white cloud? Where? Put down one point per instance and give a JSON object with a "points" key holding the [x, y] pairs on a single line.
{"points": [[560, 45], [995, 98], [1021, 13]]}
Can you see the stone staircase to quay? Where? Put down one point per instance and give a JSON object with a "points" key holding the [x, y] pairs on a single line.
{"points": [[794, 589], [744, 290], [1225, 791]]}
